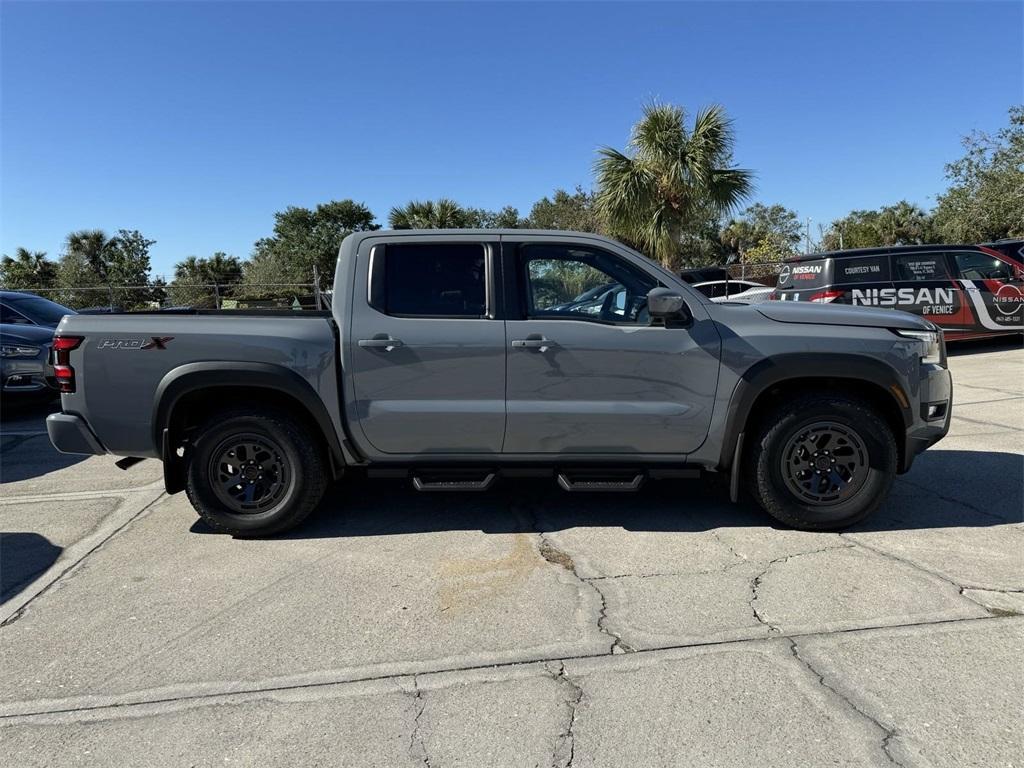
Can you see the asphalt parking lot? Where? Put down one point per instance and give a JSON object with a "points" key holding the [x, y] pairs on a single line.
{"points": [[522, 627]]}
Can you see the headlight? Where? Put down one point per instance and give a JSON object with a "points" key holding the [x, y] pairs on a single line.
{"points": [[931, 347], [18, 351]]}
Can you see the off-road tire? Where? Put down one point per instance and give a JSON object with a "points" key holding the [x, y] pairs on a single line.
{"points": [[764, 468], [300, 459]]}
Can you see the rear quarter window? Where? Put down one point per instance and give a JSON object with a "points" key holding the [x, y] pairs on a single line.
{"points": [[869, 269], [915, 267]]}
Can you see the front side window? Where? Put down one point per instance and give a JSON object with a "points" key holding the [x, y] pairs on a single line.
{"points": [[578, 283], [915, 267], [980, 266], [430, 280]]}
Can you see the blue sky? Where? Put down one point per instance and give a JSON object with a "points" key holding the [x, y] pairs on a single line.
{"points": [[194, 122]]}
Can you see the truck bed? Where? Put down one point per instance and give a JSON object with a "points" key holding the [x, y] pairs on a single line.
{"points": [[122, 378]]}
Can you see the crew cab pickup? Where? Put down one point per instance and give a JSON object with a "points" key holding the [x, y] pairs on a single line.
{"points": [[456, 359]]}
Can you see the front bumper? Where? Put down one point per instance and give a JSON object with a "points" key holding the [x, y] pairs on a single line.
{"points": [[931, 422], [70, 434]]}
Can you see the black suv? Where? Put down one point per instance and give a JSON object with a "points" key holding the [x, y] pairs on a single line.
{"points": [[968, 290]]}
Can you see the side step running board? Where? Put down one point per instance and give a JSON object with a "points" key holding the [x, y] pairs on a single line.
{"points": [[597, 483], [453, 483]]}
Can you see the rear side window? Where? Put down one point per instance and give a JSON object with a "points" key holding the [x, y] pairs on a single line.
{"points": [[9, 317], [971, 265], [914, 267], [805, 274], [869, 269], [430, 280]]}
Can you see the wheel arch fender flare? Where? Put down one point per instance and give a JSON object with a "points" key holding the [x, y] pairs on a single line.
{"points": [[792, 367], [195, 377]]}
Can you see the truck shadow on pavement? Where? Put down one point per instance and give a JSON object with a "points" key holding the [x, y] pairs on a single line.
{"points": [[23, 557], [25, 450], [945, 489]]}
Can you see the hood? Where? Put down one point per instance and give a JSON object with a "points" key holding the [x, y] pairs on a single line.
{"points": [[25, 334], [841, 314]]}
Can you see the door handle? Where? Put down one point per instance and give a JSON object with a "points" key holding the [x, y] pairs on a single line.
{"points": [[381, 341], [534, 341]]}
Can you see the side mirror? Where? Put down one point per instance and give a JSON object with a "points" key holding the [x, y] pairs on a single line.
{"points": [[667, 308]]}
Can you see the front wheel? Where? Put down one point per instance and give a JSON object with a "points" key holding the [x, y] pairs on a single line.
{"points": [[821, 463], [254, 474]]}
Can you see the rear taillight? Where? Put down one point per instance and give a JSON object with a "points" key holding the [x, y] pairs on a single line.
{"points": [[824, 297], [62, 346]]}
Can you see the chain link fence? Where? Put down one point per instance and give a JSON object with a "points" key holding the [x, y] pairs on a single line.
{"points": [[766, 273], [120, 298]]}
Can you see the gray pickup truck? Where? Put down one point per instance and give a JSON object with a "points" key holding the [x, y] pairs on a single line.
{"points": [[457, 358]]}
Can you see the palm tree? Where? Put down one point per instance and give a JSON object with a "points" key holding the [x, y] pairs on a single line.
{"points": [[442, 214], [904, 224], [90, 246], [670, 180], [28, 269]]}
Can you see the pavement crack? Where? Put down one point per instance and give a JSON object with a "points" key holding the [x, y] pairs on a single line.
{"points": [[417, 745], [96, 705], [755, 583], [551, 553], [565, 744], [662, 574], [941, 576], [889, 733], [955, 501], [718, 537]]}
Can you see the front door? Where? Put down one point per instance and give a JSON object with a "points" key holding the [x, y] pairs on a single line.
{"points": [[428, 355], [994, 289], [587, 373]]}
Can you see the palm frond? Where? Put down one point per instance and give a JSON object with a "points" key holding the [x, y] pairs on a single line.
{"points": [[728, 188], [660, 136]]}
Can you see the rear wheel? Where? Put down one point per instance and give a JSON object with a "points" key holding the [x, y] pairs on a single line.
{"points": [[821, 463], [254, 474]]}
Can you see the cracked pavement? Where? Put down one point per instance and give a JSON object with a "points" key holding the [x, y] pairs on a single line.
{"points": [[521, 627]]}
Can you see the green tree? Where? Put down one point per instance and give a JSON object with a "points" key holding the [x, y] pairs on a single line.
{"points": [[575, 211], [120, 265], [204, 281], [127, 258], [28, 269], [481, 218], [901, 224], [671, 180], [905, 224], [763, 233], [429, 214], [985, 199], [305, 237]]}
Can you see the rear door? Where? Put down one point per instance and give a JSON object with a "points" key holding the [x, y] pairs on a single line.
{"points": [[923, 285], [427, 352], [587, 374]]}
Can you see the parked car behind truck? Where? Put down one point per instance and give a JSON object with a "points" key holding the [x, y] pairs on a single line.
{"points": [[458, 358], [969, 291]]}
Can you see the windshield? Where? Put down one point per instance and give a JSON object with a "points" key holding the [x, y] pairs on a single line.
{"points": [[39, 310]]}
